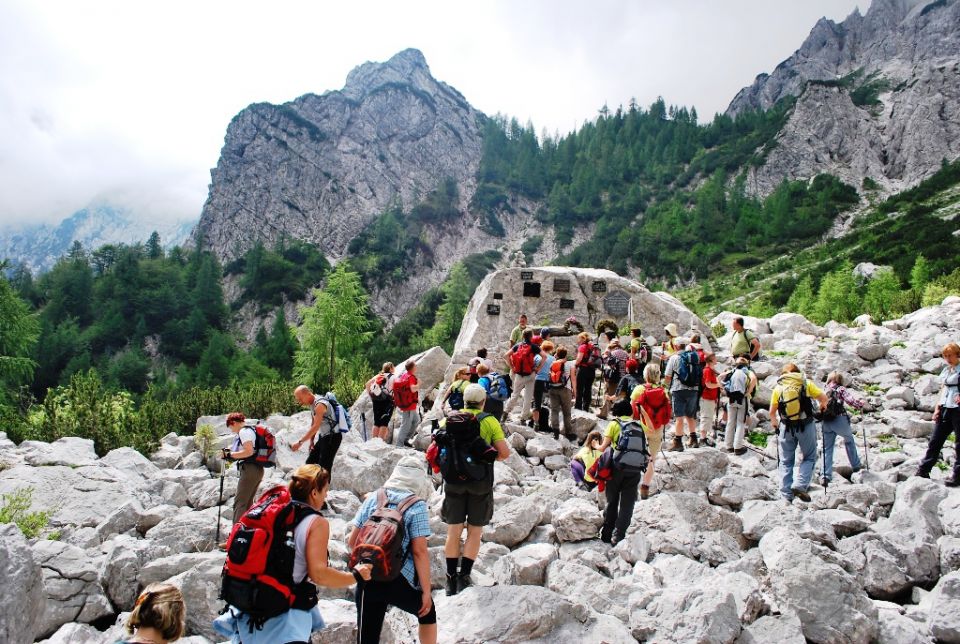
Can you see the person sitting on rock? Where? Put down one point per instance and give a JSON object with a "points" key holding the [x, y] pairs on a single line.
{"points": [[621, 489], [744, 343], [791, 406], [946, 416], [581, 462], [517, 333], [470, 504], [382, 385], [158, 616], [524, 359], [410, 591], [323, 422], [838, 426], [563, 384], [309, 485], [251, 473]]}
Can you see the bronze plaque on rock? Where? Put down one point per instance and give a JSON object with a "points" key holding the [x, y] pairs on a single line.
{"points": [[526, 275], [493, 309], [561, 286], [531, 289], [566, 304], [599, 287], [498, 296], [617, 304]]}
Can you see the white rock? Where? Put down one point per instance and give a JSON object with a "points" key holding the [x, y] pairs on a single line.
{"points": [[206, 493], [190, 531], [633, 548], [69, 451], [121, 568], [872, 351], [164, 568], [733, 490], [899, 629], [581, 583], [363, 468], [690, 526], [74, 633], [844, 523], [526, 565], [944, 618], [543, 446], [760, 517], [577, 519], [783, 629], [685, 614], [21, 588], [512, 522], [201, 588], [72, 586]]}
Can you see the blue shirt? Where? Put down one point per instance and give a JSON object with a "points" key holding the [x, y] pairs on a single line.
{"points": [[949, 377], [416, 523], [544, 373]]}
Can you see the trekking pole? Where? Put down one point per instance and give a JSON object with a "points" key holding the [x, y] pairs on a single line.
{"points": [[866, 454], [363, 425], [223, 467], [823, 460]]}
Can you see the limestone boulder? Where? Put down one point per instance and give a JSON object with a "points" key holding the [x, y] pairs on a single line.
{"points": [[761, 517], [687, 524], [685, 614], [785, 628], [363, 468], [69, 451], [120, 569], [577, 519], [691, 470], [71, 582], [582, 583], [512, 522], [206, 493], [527, 565], [734, 490], [163, 568], [944, 619], [200, 586], [189, 532], [22, 593]]}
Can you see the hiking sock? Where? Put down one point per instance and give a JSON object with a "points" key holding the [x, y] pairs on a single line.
{"points": [[466, 567], [452, 565]]}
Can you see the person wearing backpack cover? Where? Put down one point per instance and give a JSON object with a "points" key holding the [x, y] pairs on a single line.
{"points": [[561, 388], [406, 587], [614, 368], [323, 427], [406, 395], [946, 417], [739, 385], [304, 565], [242, 452], [469, 503], [655, 403], [791, 406], [524, 359], [835, 421], [541, 419], [588, 361], [453, 397], [709, 398], [380, 390], [621, 489], [744, 343], [682, 378]]}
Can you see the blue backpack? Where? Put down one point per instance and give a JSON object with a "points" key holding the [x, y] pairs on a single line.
{"points": [[342, 421], [499, 390], [689, 368]]}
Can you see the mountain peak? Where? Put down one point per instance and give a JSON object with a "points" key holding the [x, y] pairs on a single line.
{"points": [[408, 66]]}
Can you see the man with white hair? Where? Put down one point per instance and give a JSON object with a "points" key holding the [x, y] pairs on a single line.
{"points": [[323, 427]]}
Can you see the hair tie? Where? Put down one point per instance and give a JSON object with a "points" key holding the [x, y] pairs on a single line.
{"points": [[142, 598]]}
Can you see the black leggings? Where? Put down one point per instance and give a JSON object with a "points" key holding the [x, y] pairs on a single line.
{"points": [[325, 450], [948, 423], [585, 378], [373, 598]]}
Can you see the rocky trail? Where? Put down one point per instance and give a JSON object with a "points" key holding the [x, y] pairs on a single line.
{"points": [[712, 556]]}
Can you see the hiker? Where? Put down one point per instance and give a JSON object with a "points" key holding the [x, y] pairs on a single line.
{"points": [[621, 489], [497, 391], [323, 421], [251, 473], [709, 398], [560, 390], [453, 397], [632, 379], [517, 334], [308, 488], [158, 616], [835, 421], [614, 368], [406, 396], [639, 350], [946, 416], [739, 384], [476, 361], [541, 382], [791, 405], [470, 502], [588, 360], [407, 490], [524, 359], [682, 378], [744, 343], [655, 403], [541, 336], [672, 344], [582, 461], [380, 390]]}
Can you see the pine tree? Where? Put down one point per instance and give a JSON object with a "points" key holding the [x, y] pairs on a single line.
{"points": [[920, 274], [154, 249], [18, 335], [802, 300], [456, 295], [882, 291], [214, 366], [280, 346]]}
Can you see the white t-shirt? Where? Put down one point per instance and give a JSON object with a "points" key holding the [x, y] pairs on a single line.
{"points": [[300, 540], [246, 435]]}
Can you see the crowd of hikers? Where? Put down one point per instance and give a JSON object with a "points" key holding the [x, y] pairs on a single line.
{"points": [[277, 550]]}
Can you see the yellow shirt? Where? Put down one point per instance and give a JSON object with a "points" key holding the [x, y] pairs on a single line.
{"points": [[589, 457], [813, 391]]}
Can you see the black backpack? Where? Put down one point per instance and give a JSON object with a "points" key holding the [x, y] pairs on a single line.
{"points": [[462, 454], [611, 368], [835, 407], [631, 454]]}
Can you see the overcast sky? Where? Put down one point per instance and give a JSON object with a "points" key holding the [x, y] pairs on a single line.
{"points": [[129, 101]]}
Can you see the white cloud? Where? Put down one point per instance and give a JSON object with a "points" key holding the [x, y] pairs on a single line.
{"points": [[129, 101]]}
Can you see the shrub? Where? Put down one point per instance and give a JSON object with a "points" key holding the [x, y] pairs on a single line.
{"points": [[15, 508], [206, 440]]}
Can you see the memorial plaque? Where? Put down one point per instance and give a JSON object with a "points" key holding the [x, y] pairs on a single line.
{"points": [[531, 289], [599, 287], [493, 309], [526, 275], [617, 304], [561, 286], [566, 304], [498, 296]]}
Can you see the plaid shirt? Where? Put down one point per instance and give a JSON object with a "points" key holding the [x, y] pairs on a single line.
{"points": [[416, 523]]}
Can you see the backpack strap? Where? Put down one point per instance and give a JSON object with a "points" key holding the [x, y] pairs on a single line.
{"points": [[407, 503], [382, 499]]}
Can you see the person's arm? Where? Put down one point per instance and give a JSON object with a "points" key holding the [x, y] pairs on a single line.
{"points": [[752, 385], [754, 347], [503, 449], [246, 451], [573, 382], [850, 399], [317, 569], [774, 416], [421, 562], [314, 427]]}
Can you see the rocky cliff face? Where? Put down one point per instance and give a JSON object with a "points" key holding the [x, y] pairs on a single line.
{"points": [[320, 168], [892, 106]]}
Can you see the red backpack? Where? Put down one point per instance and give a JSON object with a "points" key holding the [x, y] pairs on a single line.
{"points": [[591, 357], [257, 576], [380, 539], [656, 403], [522, 359], [264, 447], [403, 394]]}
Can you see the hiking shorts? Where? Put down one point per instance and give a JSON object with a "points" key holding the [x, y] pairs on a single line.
{"points": [[382, 411], [685, 403], [470, 503]]}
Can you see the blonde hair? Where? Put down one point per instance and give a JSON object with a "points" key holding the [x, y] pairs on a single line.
{"points": [[583, 336], [482, 369], [952, 348], [462, 374], [159, 606], [307, 478], [790, 368], [651, 373], [547, 346], [387, 367]]}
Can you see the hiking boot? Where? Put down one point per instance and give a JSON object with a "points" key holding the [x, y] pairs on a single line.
{"points": [[693, 441], [644, 492], [801, 494], [923, 475], [677, 445], [707, 441], [740, 451], [452, 586], [463, 582]]}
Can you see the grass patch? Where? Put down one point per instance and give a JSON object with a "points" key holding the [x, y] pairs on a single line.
{"points": [[890, 448], [757, 438], [886, 438], [942, 466], [900, 344], [873, 389], [782, 354]]}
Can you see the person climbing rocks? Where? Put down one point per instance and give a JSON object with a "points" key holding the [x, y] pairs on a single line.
{"points": [[655, 403], [740, 385], [946, 416], [251, 473], [836, 422], [323, 427], [380, 390], [406, 396], [791, 406]]}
